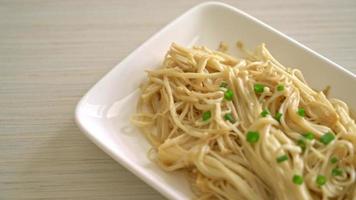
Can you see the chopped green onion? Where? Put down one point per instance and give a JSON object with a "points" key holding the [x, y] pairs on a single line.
{"points": [[336, 171], [309, 135], [228, 95], [206, 115], [298, 180], [223, 84], [280, 87], [282, 158], [229, 117], [301, 144], [252, 136], [333, 160], [327, 138], [301, 112], [320, 180], [264, 113], [259, 88], [278, 116]]}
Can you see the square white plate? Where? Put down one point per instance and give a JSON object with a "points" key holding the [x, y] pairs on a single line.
{"points": [[103, 113]]}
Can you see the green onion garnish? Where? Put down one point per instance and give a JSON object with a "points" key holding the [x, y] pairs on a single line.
{"points": [[333, 160], [301, 144], [206, 115], [228, 95], [278, 116], [264, 113], [301, 112], [327, 138], [223, 84], [258, 88], [298, 180], [336, 171], [320, 180], [280, 87], [252, 136], [229, 117], [282, 158], [309, 135]]}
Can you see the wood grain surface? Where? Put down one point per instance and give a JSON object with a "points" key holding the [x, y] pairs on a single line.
{"points": [[52, 52]]}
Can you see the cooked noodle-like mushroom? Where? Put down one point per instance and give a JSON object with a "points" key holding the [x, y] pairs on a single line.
{"points": [[247, 128]]}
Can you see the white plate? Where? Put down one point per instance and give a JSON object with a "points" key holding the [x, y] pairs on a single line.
{"points": [[103, 113]]}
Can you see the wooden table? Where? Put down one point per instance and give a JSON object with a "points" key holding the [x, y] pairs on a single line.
{"points": [[52, 52]]}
